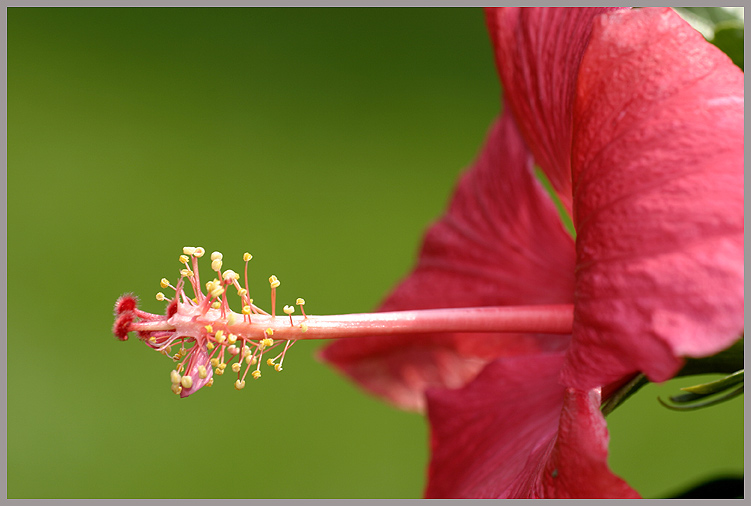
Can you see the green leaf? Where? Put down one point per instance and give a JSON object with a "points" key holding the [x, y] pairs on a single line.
{"points": [[729, 38], [714, 387], [687, 406]]}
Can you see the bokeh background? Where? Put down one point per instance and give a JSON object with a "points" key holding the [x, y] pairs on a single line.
{"points": [[323, 141]]}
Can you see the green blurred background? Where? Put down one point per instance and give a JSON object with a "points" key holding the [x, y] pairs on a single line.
{"points": [[323, 141]]}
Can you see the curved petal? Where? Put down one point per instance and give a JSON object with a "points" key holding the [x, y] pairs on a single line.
{"points": [[537, 52], [500, 243], [515, 432], [200, 357], [658, 198]]}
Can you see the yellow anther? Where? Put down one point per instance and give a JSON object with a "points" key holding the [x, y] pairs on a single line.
{"points": [[304, 327], [186, 382], [174, 377], [270, 361], [246, 309], [214, 288], [277, 367], [251, 359], [180, 368], [222, 366], [229, 275], [219, 336], [231, 339], [202, 372], [300, 302], [211, 382], [184, 259], [247, 256], [198, 253], [233, 350], [274, 282], [210, 346], [209, 328], [216, 305], [216, 256], [215, 362], [236, 367], [218, 371], [265, 343], [242, 292], [269, 331], [152, 339], [195, 300], [164, 283], [189, 250], [216, 265], [176, 389], [160, 296], [231, 319], [289, 309], [239, 385], [186, 273], [256, 374], [246, 351]]}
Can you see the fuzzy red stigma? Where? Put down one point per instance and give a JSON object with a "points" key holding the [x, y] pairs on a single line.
{"points": [[122, 325], [126, 302]]}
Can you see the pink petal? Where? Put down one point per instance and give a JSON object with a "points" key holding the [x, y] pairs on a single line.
{"points": [[538, 51], [658, 197], [199, 357], [515, 432], [500, 243]]}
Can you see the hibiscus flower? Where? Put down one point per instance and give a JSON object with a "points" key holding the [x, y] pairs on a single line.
{"points": [[637, 122]]}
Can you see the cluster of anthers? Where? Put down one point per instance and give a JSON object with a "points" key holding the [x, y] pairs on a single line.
{"points": [[210, 336]]}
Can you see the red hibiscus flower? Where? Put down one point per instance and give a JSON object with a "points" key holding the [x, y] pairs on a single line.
{"points": [[638, 123]]}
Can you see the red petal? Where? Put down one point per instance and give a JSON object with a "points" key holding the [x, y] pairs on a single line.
{"points": [[515, 432], [500, 243], [658, 196], [538, 51]]}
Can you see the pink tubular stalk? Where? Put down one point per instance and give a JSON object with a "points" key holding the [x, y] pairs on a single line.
{"points": [[554, 319]]}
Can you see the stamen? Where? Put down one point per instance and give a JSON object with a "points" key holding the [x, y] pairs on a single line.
{"points": [[301, 302], [274, 282], [289, 310], [186, 382]]}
